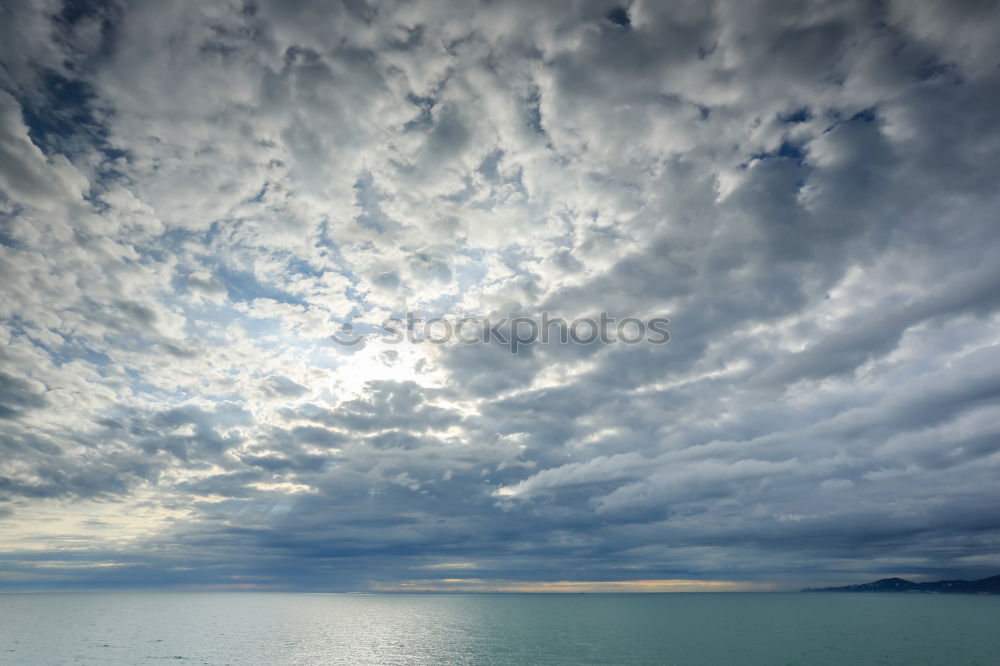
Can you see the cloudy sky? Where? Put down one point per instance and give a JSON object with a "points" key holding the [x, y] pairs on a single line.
{"points": [[195, 196]]}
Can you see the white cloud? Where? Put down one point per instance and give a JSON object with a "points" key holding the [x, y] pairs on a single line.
{"points": [[194, 200]]}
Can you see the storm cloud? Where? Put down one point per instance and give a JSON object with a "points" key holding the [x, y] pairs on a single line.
{"points": [[194, 199]]}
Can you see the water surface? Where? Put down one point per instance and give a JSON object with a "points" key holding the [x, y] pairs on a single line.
{"points": [[271, 628]]}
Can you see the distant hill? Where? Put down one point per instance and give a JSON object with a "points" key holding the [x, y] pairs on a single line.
{"points": [[989, 585]]}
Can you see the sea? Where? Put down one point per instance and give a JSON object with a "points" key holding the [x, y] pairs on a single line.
{"points": [[111, 628]]}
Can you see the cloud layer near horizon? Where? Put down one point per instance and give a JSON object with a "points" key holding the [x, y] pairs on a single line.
{"points": [[193, 199]]}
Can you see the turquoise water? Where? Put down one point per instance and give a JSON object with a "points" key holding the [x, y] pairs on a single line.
{"points": [[252, 628]]}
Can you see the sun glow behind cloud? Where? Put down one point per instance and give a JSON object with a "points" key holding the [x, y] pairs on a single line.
{"points": [[193, 202]]}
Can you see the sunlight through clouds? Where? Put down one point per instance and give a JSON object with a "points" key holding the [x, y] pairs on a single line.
{"points": [[200, 203]]}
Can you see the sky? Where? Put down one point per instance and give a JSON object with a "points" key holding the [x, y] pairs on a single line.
{"points": [[197, 200]]}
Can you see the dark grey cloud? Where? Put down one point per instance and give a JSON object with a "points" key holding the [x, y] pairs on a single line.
{"points": [[193, 201]]}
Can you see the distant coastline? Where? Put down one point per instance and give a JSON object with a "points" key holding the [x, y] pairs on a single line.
{"points": [[989, 585]]}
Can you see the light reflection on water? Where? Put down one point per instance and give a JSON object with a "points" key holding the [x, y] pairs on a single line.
{"points": [[272, 628]]}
